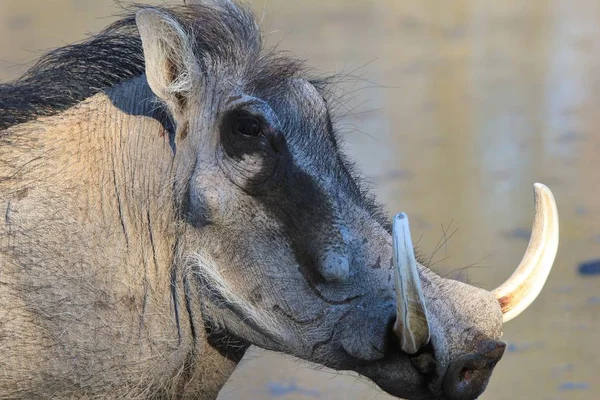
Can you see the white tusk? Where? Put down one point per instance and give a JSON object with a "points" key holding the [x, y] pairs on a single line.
{"points": [[411, 315], [524, 285]]}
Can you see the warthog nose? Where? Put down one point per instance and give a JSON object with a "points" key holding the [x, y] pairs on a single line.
{"points": [[467, 376]]}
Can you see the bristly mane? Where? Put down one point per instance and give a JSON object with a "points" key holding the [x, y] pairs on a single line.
{"points": [[70, 74]]}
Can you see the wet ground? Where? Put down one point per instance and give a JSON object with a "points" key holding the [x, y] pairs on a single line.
{"points": [[453, 109]]}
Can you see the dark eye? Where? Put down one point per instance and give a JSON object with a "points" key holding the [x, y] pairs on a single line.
{"points": [[248, 126]]}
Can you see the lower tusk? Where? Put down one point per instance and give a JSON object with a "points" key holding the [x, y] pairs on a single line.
{"points": [[412, 327]]}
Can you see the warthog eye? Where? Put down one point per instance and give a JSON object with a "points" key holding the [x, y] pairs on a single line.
{"points": [[248, 126]]}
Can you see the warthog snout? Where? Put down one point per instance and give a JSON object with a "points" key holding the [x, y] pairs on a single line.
{"points": [[467, 376], [440, 324]]}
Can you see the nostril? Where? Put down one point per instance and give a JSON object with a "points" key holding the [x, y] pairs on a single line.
{"points": [[467, 377], [465, 374], [471, 376], [466, 382]]}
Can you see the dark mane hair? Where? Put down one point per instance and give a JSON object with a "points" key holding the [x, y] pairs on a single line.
{"points": [[70, 74]]}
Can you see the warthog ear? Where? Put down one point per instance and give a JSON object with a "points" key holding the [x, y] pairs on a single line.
{"points": [[171, 66]]}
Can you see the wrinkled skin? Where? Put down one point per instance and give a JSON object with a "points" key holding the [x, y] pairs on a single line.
{"points": [[259, 234]]}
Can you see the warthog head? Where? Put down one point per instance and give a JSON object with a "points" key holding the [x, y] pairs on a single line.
{"points": [[285, 249]]}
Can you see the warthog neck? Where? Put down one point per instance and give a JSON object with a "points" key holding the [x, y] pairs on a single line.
{"points": [[89, 250]]}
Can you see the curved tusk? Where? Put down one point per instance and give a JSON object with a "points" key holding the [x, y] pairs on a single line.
{"points": [[411, 315], [524, 285]]}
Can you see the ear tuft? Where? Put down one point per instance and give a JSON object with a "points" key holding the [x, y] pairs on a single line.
{"points": [[171, 67], [213, 3]]}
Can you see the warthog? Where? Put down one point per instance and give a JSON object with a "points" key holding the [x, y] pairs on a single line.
{"points": [[173, 193]]}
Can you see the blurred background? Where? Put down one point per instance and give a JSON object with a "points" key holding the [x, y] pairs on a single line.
{"points": [[452, 109]]}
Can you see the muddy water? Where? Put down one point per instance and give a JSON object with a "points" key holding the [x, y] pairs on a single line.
{"points": [[452, 109]]}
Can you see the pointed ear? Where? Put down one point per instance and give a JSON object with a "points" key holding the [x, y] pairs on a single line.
{"points": [[171, 68]]}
